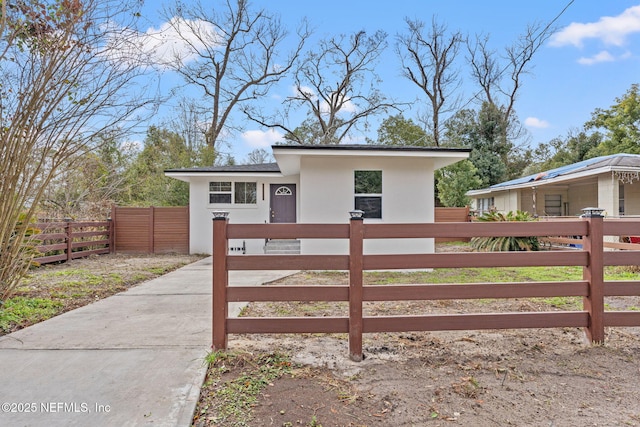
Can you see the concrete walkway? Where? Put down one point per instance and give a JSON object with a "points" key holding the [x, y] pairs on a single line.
{"points": [[136, 358]]}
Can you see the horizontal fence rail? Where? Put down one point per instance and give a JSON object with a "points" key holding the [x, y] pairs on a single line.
{"points": [[591, 256], [67, 240]]}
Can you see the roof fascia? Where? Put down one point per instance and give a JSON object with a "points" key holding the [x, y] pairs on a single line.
{"points": [[186, 176], [289, 159], [550, 181]]}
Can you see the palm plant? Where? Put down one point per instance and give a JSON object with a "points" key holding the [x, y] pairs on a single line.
{"points": [[506, 243]]}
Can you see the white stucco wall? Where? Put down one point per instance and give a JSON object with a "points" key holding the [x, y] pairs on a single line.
{"points": [[200, 237], [327, 196]]}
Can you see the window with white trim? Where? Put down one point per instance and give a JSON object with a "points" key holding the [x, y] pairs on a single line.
{"points": [[368, 192], [485, 204], [220, 192], [245, 193], [283, 191], [227, 192]]}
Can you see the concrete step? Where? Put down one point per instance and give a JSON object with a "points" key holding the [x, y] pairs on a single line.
{"points": [[282, 247]]}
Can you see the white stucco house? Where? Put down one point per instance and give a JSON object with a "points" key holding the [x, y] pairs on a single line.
{"points": [[607, 182], [319, 184]]}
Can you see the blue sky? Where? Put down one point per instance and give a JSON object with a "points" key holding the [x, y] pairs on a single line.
{"points": [[593, 58]]}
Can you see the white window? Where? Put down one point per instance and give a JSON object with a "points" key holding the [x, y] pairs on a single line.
{"points": [[220, 192], [485, 204], [227, 192], [368, 193], [283, 191]]}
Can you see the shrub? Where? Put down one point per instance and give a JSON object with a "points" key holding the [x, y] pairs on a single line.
{"points": [[505, 243], [15, 260]]}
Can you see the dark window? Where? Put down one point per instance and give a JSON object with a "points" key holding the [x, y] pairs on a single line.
{"points": [[553, 204], [219, 198], [368, 193], [245, 193], [372, 206]]}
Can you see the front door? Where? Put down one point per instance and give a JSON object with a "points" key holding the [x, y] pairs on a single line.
{"points": [[283, 203]]}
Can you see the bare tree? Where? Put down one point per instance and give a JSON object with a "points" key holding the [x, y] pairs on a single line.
{"points": [[427, 56], [190, 123], [258, 156], [337, 86], [91, 182], [499, 83], [66, 76], [234, 56]]}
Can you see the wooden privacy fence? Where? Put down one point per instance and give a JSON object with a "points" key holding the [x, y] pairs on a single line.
{"points": [[67, 240], [166, 229], [130, 230], [151, 230], [451, 215], [591, 257]]}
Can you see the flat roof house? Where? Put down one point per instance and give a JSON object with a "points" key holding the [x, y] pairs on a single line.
{"points": [[320, 184]]}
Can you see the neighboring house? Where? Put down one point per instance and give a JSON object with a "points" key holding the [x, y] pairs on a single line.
{"points": [[607, 182], [320, 184]]}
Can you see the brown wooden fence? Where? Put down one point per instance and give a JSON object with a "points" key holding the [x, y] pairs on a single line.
{"points": [[452, 215], [67, 240], [591, 257], [166, 229], [151, 230]]}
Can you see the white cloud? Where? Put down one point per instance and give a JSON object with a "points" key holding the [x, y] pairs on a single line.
{"points": [[261, 139], [602, 56], [534, 122], [132, 146], [611, 30], [348, 107], [303, 91], [178, 39]]}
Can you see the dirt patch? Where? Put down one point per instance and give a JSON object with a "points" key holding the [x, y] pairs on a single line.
{"points": [[529, 377], [533, 377], [523, 378]]}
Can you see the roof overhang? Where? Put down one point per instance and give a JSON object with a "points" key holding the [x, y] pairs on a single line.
{"points": [[561, 179], [189, 175], [289, 156]]}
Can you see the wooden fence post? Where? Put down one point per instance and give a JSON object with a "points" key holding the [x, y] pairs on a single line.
{"points": [[114, 221], [110, 229], [67, 230], [152, 219], [594, 274], [220, 280], [356, 237]]}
